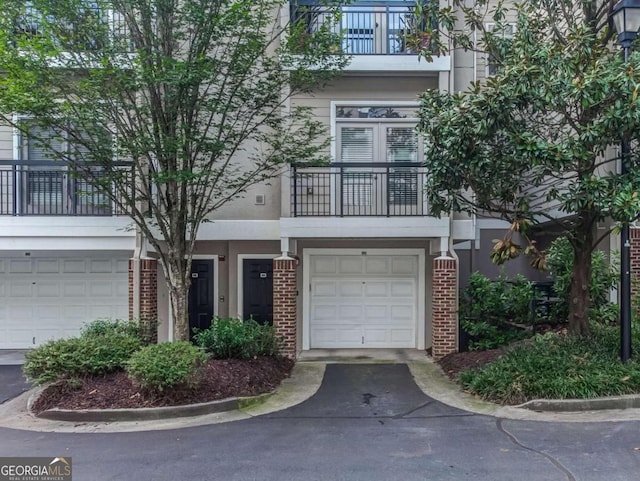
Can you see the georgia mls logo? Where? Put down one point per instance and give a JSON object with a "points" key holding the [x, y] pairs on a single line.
{"points": [[35, 469]]}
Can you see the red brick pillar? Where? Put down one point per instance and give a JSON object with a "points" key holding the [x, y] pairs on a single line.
{"points": [[147, 296], [634, 237], [445, 307], [284, 304]]}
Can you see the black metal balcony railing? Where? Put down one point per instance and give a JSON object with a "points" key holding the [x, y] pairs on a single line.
{"points": [[43, 189], [76, 33], [366, 28], [359, 189]]}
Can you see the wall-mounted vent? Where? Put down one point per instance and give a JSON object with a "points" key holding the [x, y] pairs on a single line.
{"points": [[260, 199]]}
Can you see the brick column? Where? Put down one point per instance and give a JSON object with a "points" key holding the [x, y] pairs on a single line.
{"points": [[445, 307], [634, 237], [148, 296], [284, 304]]}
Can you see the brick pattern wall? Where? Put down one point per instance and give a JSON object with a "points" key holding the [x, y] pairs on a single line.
{"points": [[445, 307], [148, 297], [284, 304], [634, 237]]}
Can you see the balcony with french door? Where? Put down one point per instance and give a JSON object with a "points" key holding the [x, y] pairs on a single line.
{"points": [[358, 189], [44, 189], [360, 200], [377, 34]]}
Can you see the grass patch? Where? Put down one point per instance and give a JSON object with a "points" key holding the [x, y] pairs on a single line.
{"points": [[556, 366]]}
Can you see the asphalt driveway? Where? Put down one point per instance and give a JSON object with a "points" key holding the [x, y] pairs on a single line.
{"points": [[366, 422], [358, 391], [12, 382]]}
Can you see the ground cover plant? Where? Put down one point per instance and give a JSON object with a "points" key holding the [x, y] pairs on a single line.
{"points": [[557, 366]]}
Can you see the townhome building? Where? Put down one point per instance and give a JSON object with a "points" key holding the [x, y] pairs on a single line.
{"points": [[341, 256]]}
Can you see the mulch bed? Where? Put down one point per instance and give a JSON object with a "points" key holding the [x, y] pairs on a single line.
{"points": [[453, 364], [218, 379]]}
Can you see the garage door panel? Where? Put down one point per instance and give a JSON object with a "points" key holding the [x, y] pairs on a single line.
{"points": [[47, 289], [350, 289], [350, 265], [20, 289], [403, 289], [74, 289], [48, 298], [20, 266], [326, 336], [376, 289], [324, 289], [377, 313], [47, 266], [401, 313], [367, 301], [376, 265], [404, 265], [3, 265], [324, 265], [324, 312], [74, 266], [350, 313], [401, 336]]}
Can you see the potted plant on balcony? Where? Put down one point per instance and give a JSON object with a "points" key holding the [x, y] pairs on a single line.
{"points": [[419, 31]]}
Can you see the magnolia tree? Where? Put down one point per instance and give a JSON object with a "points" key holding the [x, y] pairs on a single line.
{"points": [[536, 142], [189, 96]]}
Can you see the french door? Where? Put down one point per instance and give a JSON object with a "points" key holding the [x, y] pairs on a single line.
{"points": [[377, 177]]}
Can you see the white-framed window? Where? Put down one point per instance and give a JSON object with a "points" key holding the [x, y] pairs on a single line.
{"points": [[47, 184], [369, 140], [506, 32]]}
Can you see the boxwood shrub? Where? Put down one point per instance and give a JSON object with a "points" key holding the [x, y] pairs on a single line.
{"points": [[79, 356], [232, 338], [164, 366]]}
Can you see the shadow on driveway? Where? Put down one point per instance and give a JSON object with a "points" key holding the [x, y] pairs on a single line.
{"points": [[12, 382]]}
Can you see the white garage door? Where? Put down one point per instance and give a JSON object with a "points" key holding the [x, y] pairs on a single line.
{"points": [[49, 298], [363, 301]]}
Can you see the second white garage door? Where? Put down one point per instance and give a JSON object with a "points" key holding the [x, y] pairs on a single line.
{"points": [[44, 298], [363, 301]]}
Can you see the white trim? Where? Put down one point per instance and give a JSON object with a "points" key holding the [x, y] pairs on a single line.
{"points": [[398, 63], [226, 230], [306, 279], [240, 262], [364, 227]]}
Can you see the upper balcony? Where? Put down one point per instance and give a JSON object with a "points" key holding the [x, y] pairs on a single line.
{"points": [[48, 189], [359, 189], [379, 35]]}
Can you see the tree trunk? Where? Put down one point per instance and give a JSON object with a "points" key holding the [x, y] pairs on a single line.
{"points": [[179, 282], [579, 297]]}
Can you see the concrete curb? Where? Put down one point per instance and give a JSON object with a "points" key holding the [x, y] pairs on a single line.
{"points": [[151, 414], [631, 401]]}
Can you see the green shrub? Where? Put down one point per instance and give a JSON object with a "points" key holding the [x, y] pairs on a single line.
{"points": [[489, 308], [554, 366], [100, 327], [233, 338], [490, 336], [164, 366], [79, 356]]}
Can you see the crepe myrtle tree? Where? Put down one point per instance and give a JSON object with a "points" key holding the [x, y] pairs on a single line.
{"points": [[536, 142], [191, 95]]}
